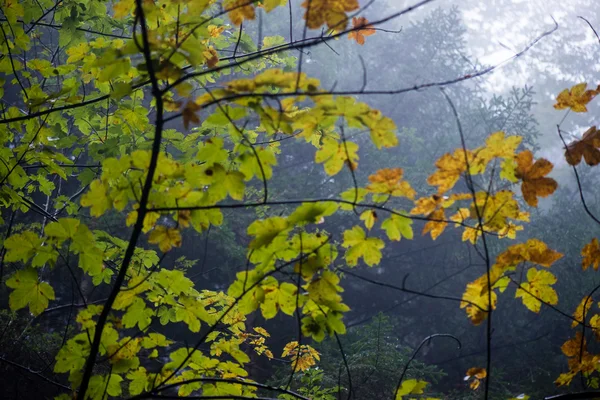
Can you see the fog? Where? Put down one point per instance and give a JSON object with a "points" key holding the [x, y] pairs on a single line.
{"points": [[449, 74]]}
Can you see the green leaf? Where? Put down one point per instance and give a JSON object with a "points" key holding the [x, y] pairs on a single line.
{"points": [[312, 213], [266, 230], [410, 386], [397, 226], [21, 246], [358, 245], [29, 291], [279, 297], [96, 198], [138, 314]]}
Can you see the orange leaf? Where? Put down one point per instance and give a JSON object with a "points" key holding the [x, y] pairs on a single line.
{"points": [[435, 228], [591, 255], [362, 29], [535, 184], [389, 181], [572, 347]]}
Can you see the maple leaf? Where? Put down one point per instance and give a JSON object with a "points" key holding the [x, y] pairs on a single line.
{"points": [[389, 181], [358, 245], [587, 148], [537, 289], [331, 12], [477, 374], [535, 184], [303, 356], [449, 169], [362, 29], [573, 346], [591, 255], [335, 155], [436, 226], [211, 56], [476, 300], [496, 146], [189, 114], [369, 217], [533, 250], [397, 226], [28, 291], [239, 10], [410, 386], [575, 98], [166, 238], [582, 310], [96, 198]]}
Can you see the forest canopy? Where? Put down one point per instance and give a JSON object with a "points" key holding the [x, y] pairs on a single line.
{"points": [[279, 199]]}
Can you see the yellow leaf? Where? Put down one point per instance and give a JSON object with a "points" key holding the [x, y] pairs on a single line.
{"points": [[240, 10], [496, 146], [410, 386], [537, 289], [330, 12], [582, 310], [575, 98], [476, 300], [449, 169]]}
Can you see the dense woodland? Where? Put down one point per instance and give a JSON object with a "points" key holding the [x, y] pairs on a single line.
{"points": [[285, 199]]}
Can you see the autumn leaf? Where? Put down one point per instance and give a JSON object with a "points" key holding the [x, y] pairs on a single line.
{"points": [[189, 114], [211, 56], [166, 238], [537, 290], [534, 251], [330, 12], [476, 300], [436, 225], [303, 356], [240, 10], [535, 184], [496, 146], [450, 167], [591, 255], [575, 98], [477, 374], [362, 29], [587, 148], [573, 346], [389, 181], [581, 311]]}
